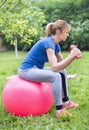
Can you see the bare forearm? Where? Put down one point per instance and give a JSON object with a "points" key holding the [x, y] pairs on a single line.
{"points": [[57, 66], [63, 64]]}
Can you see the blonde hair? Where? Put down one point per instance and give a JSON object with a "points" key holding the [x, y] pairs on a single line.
{"points": [[57, 25]]}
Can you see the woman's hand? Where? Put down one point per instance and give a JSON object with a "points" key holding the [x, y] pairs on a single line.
{"points": [[75, 53]]}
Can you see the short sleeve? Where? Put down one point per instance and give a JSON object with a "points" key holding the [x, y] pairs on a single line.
{"points": [[49, 45], [58, 48]]}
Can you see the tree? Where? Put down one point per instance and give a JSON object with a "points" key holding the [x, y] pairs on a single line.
{"points": [[19, 19], [3, 2]]}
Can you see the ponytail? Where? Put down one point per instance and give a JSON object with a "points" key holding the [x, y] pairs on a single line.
{"points": [[48, 30]]}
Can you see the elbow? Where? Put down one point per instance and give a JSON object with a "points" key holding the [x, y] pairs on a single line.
{"points": [[54, 69], [57, 68]]}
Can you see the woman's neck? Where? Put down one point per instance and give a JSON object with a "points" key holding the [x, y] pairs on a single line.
{"points": [[56, 40]]}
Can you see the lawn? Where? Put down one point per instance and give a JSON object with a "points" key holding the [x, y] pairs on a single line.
{"points": [[78, 91]]}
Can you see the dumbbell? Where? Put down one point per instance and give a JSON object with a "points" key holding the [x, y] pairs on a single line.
{"points": [[72, 47]]}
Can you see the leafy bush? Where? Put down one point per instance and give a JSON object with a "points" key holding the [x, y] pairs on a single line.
{"points": [[24, 22], [74, 12]]}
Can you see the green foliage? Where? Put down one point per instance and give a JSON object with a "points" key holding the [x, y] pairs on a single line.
{"points": [[74, 12], [79, 34], [25, 21], [21, 21]]}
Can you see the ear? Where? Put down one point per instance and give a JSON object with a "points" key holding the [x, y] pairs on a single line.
{"points": [[58, 32]]}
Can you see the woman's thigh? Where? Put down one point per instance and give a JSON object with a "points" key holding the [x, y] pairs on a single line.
{"points": [[39, 75]]}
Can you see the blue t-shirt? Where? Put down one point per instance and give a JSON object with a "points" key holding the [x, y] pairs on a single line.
{"points": [[37, 56]]}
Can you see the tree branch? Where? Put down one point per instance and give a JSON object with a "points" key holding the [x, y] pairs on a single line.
{"points": [[3, 3]]}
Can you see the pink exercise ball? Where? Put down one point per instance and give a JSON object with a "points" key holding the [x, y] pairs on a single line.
{"points": [[23, 98]]}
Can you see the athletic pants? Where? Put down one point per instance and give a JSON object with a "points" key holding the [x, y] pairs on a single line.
{"points": [[57, 79]]}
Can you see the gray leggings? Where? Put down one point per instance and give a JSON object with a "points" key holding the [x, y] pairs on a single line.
{"points": [[58, 80]]}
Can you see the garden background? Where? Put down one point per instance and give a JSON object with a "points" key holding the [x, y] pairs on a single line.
{"points": [[22, 23]]}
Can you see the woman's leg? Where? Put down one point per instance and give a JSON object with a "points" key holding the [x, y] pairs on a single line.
{"points": [[45, 75], [64, 85], [67, 103], [71, 76], [63, 74]]}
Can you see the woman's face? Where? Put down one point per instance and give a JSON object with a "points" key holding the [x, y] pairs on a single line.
{"points": [[64, 35]]}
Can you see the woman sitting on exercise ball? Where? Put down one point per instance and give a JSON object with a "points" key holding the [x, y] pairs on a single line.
{"points": [[48, 50]]}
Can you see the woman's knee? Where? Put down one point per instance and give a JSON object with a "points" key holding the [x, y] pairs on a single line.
{"points": [[56, 77], [63, 72]]}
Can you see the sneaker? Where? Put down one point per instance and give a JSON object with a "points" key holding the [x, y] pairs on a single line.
{"points": [[62, 112], [71, 105]]}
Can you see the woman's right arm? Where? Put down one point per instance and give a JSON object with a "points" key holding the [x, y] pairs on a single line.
{"points": [[57, 66]]}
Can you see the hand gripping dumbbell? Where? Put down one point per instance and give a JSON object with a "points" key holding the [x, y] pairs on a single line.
{"points": [[74, 46]]}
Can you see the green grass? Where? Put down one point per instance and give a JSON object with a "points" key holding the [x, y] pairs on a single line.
{"points": [[78, 91]]}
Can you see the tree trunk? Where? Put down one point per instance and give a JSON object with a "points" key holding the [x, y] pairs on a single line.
{"points": [[16, 48]]}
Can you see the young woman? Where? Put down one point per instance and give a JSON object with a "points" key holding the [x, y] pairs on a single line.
{"points": [[48, 50]]}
